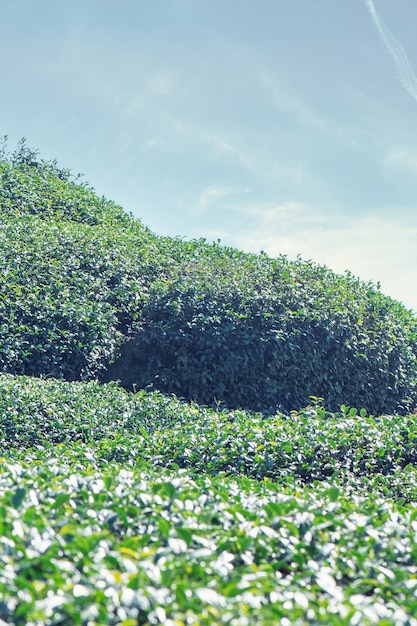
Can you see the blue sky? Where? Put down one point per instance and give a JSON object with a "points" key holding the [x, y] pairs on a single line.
{"points": [[287, 126]]}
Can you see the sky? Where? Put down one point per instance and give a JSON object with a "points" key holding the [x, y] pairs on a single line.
{"points": [[287, 126]]}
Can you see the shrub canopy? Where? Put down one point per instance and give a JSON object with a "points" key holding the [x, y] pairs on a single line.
{"points": [[87, 291]]}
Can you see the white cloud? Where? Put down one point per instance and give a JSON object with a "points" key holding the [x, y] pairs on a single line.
{"points": [[210, 196], [280, 96], [274, 213], [374, 247], [222, 146], [402, 158], [399, 55]]}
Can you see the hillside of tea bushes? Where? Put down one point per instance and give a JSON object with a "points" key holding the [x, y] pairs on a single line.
{"points": [[223, 490], [125, 509], [89, 292]]}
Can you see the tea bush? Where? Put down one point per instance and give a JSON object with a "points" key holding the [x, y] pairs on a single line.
{"points": [[87, 291], [307, 446], [127, 508], [29, 186], [263, 334], [127, 546], [75, 270], [122, 509]]}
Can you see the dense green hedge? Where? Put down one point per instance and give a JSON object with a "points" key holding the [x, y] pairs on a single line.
{"points": [[87, 291], [65, 290], [128, 546], [268, 333], [74, 271], [348, 447]]}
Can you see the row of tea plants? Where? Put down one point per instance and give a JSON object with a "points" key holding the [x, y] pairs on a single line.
{"points": [[120, 508]]}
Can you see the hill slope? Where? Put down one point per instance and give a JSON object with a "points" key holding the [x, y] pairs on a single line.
{"points": [[124, 508], [89, 292]]}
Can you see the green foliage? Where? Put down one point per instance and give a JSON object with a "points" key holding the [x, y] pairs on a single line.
{"points": [[119, 508], [32, 187], [263, 333], [80, 278], [116, 546], [137, 508], [303, 447], [73, 275]]}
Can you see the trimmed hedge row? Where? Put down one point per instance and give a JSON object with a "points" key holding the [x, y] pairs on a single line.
{"points": [[124, 546], [351, 449]]}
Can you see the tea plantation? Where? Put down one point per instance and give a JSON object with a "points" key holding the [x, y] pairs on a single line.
{"points": [[166, 455]]}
